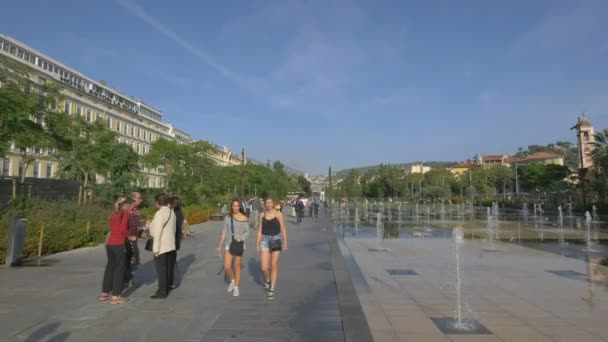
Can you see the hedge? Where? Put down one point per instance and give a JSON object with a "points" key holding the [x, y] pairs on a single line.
{"points": [[65, 225]]}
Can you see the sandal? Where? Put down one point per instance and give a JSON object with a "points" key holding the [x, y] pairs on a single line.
{"points": [[119, 300], [104, 297]]}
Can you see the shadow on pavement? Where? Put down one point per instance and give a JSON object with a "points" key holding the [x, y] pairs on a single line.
{"points": [[183, 264], [255, 271], [43, 334]]}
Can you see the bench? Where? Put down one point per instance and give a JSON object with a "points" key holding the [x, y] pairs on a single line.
{"points": [[216, 217]]}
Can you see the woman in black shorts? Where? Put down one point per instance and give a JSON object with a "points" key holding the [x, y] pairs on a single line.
{"points": [[271, 240]]}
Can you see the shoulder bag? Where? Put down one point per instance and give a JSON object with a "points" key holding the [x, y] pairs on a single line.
{"points": [[236, 247], [150, 243]]}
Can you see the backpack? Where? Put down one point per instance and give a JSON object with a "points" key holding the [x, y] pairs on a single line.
{"points": [[299, 205]]}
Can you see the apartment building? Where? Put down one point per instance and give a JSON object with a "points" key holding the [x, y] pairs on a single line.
{"points": [[137, 123]]}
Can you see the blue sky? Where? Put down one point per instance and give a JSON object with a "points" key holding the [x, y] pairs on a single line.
{"points": [[346, 83]]}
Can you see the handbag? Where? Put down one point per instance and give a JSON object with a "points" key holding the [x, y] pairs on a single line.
{"points": [[275, 244], [150, 243], [236, 247]]}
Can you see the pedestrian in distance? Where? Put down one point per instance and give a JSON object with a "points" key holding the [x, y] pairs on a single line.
{"points": [[299, 209], [316, 203], [232, 241], [310, 208], [271, 241], [114, 274], [162, 231]]}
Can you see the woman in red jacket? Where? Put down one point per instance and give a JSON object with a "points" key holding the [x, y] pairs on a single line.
{"points": [[114, 275]]}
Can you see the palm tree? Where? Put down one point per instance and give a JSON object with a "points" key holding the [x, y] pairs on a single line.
{"points": [[599, 154]]}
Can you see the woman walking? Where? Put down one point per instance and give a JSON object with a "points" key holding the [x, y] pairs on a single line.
{"points": [[162, 230], [236, 226], [114, 275], [271, 240]]}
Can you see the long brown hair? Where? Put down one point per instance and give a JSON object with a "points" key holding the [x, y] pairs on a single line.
{"points": [[241, 209]]}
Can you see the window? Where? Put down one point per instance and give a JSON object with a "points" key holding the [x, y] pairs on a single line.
{"points": [[49, 170], [37, 150], [138, 149], [79, 111], [117, 126], [67, 107], [89, 115], [585, 136], [132, 131], [6, 167], [36, 169], [50, 150], [109, 122]]}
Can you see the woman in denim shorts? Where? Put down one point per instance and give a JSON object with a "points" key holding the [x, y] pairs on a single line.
{"points": [[271, 227]]}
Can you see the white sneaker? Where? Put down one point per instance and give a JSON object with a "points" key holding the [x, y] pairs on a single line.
{"points": [[235, 292], [266, 286], [231, 286]]}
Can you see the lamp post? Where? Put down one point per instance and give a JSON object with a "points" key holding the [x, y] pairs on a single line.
{"points": [[516, 182], [242, 173]]}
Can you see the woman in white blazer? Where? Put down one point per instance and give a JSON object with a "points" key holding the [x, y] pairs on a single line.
{"points": [[162, 230]]}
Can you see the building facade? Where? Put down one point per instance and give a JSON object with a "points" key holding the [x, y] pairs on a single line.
{"points": [[585, 137], [416, 168], [544, 158], [136, 123]]}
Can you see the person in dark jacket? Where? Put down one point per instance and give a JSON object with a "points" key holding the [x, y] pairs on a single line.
{"points": [[135, 227], [299, 209], [114, 275], [179, 221]]}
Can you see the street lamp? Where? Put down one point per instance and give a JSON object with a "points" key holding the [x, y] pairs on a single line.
{"points": [[516, 182]]}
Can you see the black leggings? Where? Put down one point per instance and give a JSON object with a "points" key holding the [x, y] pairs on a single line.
{"points": [[114, 275], [161, 263]]}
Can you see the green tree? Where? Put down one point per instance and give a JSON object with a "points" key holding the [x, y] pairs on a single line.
{"points": [[27, 117], [124, 171], [501, 177], [539, 177], [89, 151], [304, 185], [599, 154], [351, 186]]}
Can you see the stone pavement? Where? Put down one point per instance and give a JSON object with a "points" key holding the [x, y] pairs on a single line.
{"points": [[519, 294], [315, 298]]}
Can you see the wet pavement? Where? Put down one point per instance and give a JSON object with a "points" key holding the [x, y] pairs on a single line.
{"points": [[524, 289]]}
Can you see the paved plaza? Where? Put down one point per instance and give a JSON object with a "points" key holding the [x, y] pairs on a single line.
{"points": [[330, 289], [315, 300], [519, 294]]}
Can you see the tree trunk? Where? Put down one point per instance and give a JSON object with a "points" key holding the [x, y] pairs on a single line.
{"points": [[84, 188], [26, 165]]}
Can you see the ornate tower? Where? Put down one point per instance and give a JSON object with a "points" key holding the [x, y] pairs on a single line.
{"points": [[585, 138]]}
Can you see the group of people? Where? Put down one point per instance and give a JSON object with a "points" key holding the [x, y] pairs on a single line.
{"points": [[271, 239], [301, 205], [165, 234]]}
